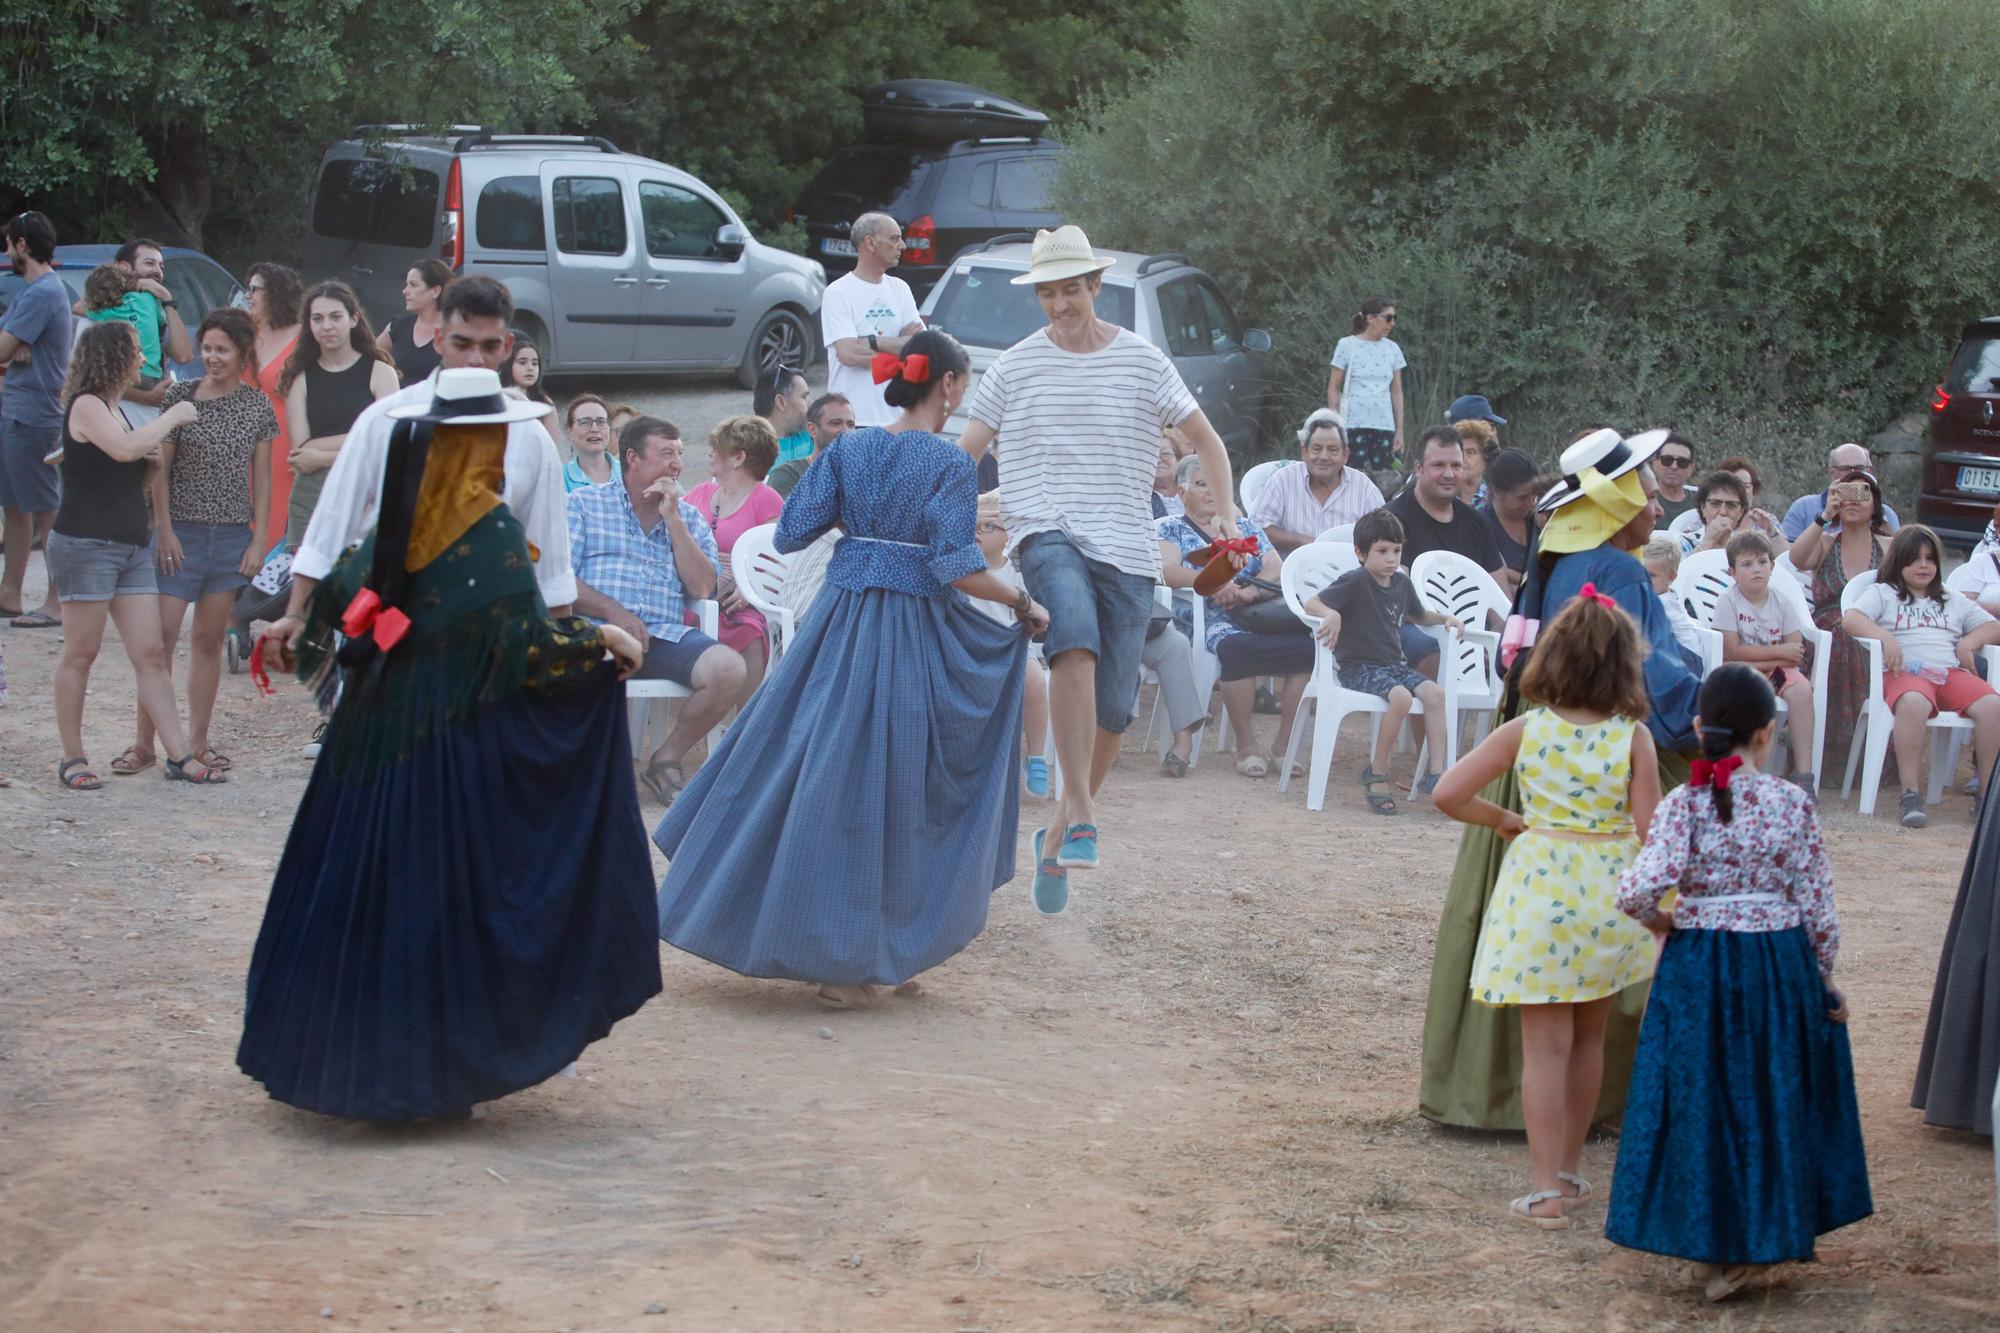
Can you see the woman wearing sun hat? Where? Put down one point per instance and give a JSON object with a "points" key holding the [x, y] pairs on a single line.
{"points": [[465, 900], [1601, 511]]}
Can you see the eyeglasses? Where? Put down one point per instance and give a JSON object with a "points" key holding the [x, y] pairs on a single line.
{"points": [[988, 525], [1730, 506], [1390, 317], [591, 423], [1676, 460]]}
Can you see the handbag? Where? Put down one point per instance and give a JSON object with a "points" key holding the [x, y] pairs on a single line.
{"points": [[1269, 615]]}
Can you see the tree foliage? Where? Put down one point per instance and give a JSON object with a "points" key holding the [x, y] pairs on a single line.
{"points": [[1758, 222]]}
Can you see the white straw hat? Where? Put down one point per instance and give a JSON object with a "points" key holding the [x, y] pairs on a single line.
{"points": [[470, 397], [1061, 254]]}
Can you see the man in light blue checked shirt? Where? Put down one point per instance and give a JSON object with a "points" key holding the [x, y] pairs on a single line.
{"points": [[641, 554]]}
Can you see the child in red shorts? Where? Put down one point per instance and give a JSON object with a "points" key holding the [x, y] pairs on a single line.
{"points": [[1930, 639]]}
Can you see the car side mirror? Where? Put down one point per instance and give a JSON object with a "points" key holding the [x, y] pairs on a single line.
{"points": [[1257, 340], [731, 238]]}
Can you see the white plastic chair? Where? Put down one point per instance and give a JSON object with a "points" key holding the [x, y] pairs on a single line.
{"points": [[1340, 533], [1254, 480], [1703, 578], [1870, 745], [1799, 576], [1469, 665], [1687, 527], [647, 699], [1310, 569], [759, 571]]}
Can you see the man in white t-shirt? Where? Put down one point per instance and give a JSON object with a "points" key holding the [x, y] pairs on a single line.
{"points": [[1082, 404], [866, 312]]}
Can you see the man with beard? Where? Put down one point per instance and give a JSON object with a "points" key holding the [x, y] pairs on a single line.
{"points": [[1319, 492], [34, 350]]}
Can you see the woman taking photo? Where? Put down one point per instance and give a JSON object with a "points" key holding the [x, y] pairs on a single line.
{"points": [[275, 294], [212, 506], [742, 451], [99, 556], [1850, 536], [521, 372], [410, 341], [332, 377], [1367, 376]]}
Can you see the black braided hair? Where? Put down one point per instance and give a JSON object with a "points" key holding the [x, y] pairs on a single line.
{"points": [[1736, 702]]}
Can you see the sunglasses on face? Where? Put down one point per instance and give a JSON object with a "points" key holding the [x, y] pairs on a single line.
{"points": [[1676, 460]]}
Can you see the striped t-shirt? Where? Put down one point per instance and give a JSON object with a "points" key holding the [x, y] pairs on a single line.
{"points": [[1080, 439]]}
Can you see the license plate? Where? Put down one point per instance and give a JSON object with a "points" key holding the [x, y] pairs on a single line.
{"points": [[831, 246], [1979, 480]]}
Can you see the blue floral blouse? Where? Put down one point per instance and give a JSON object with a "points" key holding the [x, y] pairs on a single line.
{"points": [[1184, 534]]}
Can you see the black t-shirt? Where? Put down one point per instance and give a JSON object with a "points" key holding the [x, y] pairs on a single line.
{"points": [[1371, 616], [1673, 509], [1467, 534], [1512, 553]]}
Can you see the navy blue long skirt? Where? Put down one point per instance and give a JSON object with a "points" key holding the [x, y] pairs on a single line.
{"points": [[461, 924], [854, 823], [1742, 1141]]}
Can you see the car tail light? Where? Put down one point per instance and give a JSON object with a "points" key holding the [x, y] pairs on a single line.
{"points": [[920, 241], [452, 251], [1940, 400]]}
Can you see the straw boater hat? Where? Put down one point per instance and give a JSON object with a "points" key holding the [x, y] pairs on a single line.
{"points": [[1599, 492], [470, 398], [1061, 254]]}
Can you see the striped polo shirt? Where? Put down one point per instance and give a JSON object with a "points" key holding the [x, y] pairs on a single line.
{"points": [[1080, 440]]}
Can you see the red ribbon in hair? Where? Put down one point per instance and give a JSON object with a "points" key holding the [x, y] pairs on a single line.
{"points": [[1590, 590], [366, 614], [1702, 773], [886, 366]]}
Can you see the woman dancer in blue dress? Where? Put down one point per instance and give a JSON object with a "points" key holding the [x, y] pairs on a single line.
{"points": [[861, 812]]}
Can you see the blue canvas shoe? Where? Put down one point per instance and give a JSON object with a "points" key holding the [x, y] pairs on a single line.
{"points": [[1038, 777], [1051, 882], [1079, 849]]}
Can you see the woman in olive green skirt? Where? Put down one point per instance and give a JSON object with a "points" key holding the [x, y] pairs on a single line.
{"points": [[1602, 511]]}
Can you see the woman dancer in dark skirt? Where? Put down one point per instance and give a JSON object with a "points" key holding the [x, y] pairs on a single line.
{"points": [[465, 901], [1960, 1063], [853, 824]]}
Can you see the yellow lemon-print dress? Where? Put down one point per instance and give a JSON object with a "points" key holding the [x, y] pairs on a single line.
{"points": [[1553, 932]]}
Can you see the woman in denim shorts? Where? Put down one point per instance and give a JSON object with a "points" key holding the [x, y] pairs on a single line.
{"points": [[214, 490], [100, 558]]}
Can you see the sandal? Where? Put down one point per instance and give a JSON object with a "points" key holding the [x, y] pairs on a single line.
{"points": [[211, 757], [1583, 1190], [191, 769], [1173, 765], [84, 781], [1731, 1280], [1377, 802], [1252, 766], [1429, 784], [36, 620], [1277, 762], [1522, 1208], [130, 762], [654, 780], [845, 997]]}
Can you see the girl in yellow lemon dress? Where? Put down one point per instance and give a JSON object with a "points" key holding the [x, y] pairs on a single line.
{"points": [[1554, 942]]}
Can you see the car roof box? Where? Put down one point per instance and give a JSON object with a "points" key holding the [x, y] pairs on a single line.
{"points": [[938, 111]]}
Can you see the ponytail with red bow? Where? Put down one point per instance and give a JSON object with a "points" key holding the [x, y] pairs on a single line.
{"points": [[1735, 704]]}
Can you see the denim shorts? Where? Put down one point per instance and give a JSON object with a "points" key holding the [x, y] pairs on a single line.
{"points": [[91, 569], [674, 661], [26, 482], [1380, 678], [211, 560], [1095, 607]]}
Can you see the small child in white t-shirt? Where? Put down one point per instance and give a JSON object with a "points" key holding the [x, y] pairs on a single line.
{"points": [[1662, 558], [1763, 629], [992, 535]]}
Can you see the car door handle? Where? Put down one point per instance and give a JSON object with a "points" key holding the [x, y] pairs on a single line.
{"points": [[658, 282], [626, 281]]}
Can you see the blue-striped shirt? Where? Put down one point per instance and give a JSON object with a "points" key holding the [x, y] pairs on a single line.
{"points": [[615, 554]]}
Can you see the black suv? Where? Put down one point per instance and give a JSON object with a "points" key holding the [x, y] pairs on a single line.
{"points": [[1961, 477], [954, 165]]}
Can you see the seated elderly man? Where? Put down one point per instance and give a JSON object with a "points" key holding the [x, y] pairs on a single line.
{"points": [[1318, 492], [641, 554]]}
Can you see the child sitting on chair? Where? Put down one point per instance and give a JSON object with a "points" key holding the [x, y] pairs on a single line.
{"points": [[1766, 631], [1662, 558], [992, 535], [1362, 614]]}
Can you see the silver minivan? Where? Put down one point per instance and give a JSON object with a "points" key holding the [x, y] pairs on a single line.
{"points": [[617, 263]]}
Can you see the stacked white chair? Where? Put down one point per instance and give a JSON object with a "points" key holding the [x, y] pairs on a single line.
{"points": [[646, 700], [1254, 480], [1872, 730], [1468, 665], [759, 572]]}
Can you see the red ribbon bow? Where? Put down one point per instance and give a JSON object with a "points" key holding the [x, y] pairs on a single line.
{"points": [[1702, 773], [260, 675], [1590, 590], [886, 366], [366, 613], [1238, 545]]}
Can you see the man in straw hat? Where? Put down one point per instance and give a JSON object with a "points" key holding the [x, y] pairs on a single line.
{"points": [[1081, 404], [1602, 511]]}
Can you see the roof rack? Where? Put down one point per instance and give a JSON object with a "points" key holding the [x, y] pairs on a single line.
{"points": [[1006, 238], [436, 131], [1167, 259], [488, 139]]}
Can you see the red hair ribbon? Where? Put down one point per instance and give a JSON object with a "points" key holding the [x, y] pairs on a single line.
{"points": [[1590, 590], [1702, 773], [260, 676], [366, 614], [886, 366]]}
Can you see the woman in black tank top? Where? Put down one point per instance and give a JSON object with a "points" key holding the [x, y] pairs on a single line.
{"points": [[99, 555], [335, 373], [416, 357]]}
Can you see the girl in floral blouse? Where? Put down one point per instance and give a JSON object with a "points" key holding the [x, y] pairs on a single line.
{"points": [[1741, 1140]]}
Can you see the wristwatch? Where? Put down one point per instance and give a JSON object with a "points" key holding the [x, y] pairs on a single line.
{"points": [[1829, 519], [872, 345]]}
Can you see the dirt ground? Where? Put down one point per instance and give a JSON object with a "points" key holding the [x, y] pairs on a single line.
{"points": [[1185, 1104]]}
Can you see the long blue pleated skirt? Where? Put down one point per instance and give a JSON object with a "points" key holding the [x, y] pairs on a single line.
{"points": [[854, 823], [460, 924], [1741, 1142]]}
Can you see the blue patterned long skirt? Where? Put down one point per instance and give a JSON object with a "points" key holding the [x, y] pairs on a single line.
{"points": [[1742, 1141], [854, 823]]}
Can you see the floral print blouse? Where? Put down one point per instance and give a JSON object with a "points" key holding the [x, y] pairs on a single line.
{"points": [[1182, 532], [1764, 870]]}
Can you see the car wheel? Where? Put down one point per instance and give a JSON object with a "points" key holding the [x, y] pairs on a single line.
{"points": [[781, 339]]}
